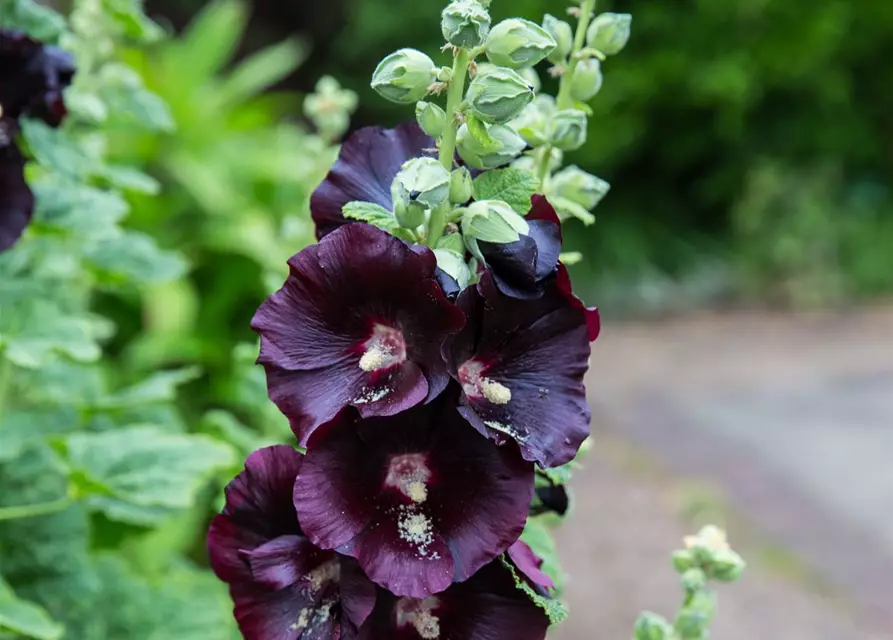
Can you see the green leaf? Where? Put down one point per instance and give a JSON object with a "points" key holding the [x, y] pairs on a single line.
{"points": [[38, 21], [78, 208], [55, 150], [514, 186], [134, 257], [539, 536], [478, 130], [130, 179], [26, 618], [555, 609], [158, 388], [129, 101], [213, 37], [21, 428], [570, 257], [372, 213], [569, 209], [44, 330], [129, 16], [144, 467], [261, 70], [452, 242], [454, 265]]}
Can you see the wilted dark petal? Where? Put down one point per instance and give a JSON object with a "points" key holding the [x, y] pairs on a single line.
{"points": [[16, 199], [487, 607], [553, 497], [420, 499], [530, 564], [521, 365], [366, 166], [593, 318], [33, 77], [521, 268], [360, 322]]}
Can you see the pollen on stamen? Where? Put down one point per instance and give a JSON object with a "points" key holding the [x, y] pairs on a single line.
{"points": [[374, 359], [384, 348], [496, 392]]}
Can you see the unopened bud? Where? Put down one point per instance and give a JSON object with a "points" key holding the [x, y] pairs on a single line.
{"points": [[569, 129], [404, 76], [609, 32], [431, 118], [726, 566], [563, 34], [517, 43], [580, 187], [693, 580], [421, 180], [499, 95], [460, 186], [409, 214], [508, 146], [532, 78], [651, 626], [465, 23], [695, 616], [493, 221], [587, 80], [534, 123]]}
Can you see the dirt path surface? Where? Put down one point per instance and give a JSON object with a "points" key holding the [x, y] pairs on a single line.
{"points": [[783, 424]]}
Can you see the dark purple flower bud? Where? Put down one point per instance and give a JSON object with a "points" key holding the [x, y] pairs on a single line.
{"points": [[360, 321], [420, 499], [521, 365], [489, 606], [284, 587], [367, 165], [520, 268]]}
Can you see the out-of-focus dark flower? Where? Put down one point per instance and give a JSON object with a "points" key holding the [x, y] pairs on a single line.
{"points": [[550, 497], [367, 165], [420, 499], [360, 321], [284, 587], [32, 79], [521, 268], [521, 365], [489, 606]]}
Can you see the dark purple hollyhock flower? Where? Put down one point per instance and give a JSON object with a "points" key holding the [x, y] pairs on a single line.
{"points": [[420, 498], [530, 565], [284, 587], [521, 365], [360, 321], [593, 318], [521, 268], [32, 78], [366, 166], [489, 606]]}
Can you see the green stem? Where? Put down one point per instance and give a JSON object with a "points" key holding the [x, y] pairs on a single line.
{"points": [[545, 161], [32, 510], [565, 101]]}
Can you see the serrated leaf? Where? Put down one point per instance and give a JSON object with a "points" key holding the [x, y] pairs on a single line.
{"points": [[157, 388], [130, 179], [566, 208], [513, 186], [21, 428], [478, 130], [372, 213], [134, 258], [26, 618], [79, 208], [55, 150], [144, 467], [44, 330]]}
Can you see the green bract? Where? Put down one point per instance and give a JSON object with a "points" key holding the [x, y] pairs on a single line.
{"points": [[507, 146], [535, 122], [498, 95], [465, 23], [518, 43], [404, 76], [431, 118], [493, 221], [580, 187], [609, 32], [422, 180], [563, 35], [409, 215], [460, 186], [569, 129], [587, 80]]}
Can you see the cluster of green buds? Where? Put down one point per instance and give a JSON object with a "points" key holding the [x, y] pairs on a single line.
{"points": [[707, 556], [494, 115], [329, 107]]}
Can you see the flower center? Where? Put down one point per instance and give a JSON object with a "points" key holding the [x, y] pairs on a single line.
{"points": [[385, 348], [409, 474], [420, 615], [476, 385]]}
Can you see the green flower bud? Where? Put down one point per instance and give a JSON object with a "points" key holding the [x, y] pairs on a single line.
{"points": [[587, 80], [534, 123], [409, 214], [493, 221], [695, 616], [587, 190], [518, 43], [694, 580], [422, 180], [609, 32], [431, 118], [569, 129], [499, 95], [510, 145], [460, 186], [726, 566], [465, 23], [563, 34], [651, 626], [404, 76], [682, 560], [532, 78]]}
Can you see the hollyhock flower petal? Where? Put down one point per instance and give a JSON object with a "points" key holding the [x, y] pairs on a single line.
{"points": [[530, 564], [520, 268], [32, 78], [521, 365], [420, 498], [283, 586], [366, 166], [489, 606], [359, 322], [16, 199], [593, 318]]}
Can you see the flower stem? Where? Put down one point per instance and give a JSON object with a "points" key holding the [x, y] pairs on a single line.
{"points": [[565, 101], [33, 510], [545, 161], [455, 94]]}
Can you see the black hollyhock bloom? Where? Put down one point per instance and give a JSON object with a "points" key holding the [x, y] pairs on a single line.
{"points": [[360, 321], [366, 166], [488, 606], [550, 496], [521, 365], [531, 567], [420, 499], [284, 587], [520, 269], [32, 79]]}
